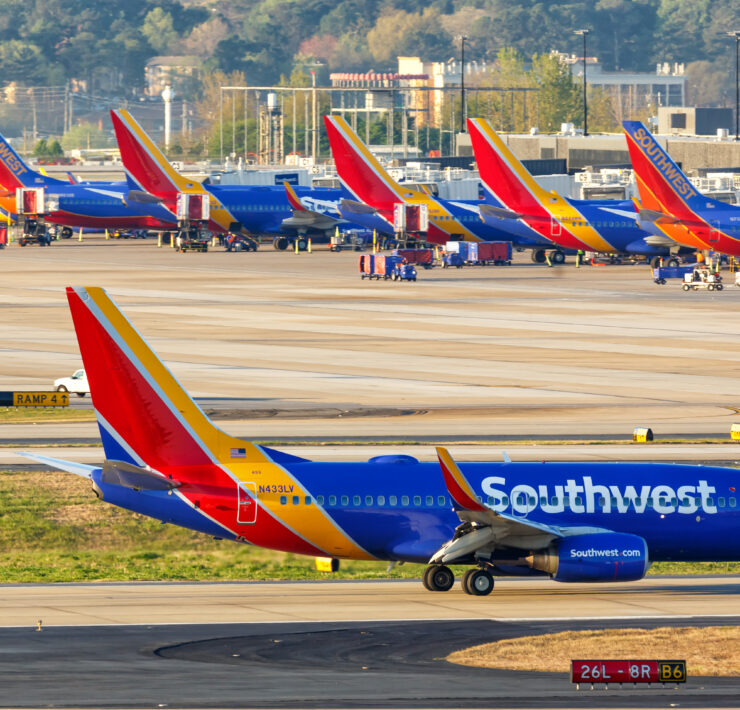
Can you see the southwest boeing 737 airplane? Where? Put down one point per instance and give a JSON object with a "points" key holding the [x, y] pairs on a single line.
{"points": [[607, 226], [672, 205], [577, 522], [101, 205]]}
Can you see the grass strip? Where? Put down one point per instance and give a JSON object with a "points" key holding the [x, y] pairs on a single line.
{"points": [[708, 651], [53, 529], [44, 415]]}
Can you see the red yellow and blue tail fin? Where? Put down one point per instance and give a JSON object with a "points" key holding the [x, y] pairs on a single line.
{"points": [[145, 161], [14, 172], [661, 183], [148, 166], [360, 171], [145, 416]]}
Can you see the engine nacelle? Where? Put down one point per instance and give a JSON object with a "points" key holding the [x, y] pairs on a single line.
{"points": [[596, 557]]}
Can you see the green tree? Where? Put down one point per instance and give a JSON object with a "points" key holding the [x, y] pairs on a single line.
{"points": [[403, 33], [84, 136], [41, 149], [55, 149], [22, 62], [159, 30], [560, 98]]}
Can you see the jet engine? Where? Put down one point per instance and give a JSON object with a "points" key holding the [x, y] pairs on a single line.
{"points": [[594, 557]]}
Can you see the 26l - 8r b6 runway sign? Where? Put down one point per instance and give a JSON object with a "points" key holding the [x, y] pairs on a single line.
{"points": [[582, 671]]}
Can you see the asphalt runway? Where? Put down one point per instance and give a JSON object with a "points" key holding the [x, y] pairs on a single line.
{"points": [[344, 645]]}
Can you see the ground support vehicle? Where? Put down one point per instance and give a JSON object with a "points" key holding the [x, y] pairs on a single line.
{"points": [[419, 257], [702, 278], [477, 253], [239, 242], [349, 241], [34, 232], [662, 273], [378, 266]]}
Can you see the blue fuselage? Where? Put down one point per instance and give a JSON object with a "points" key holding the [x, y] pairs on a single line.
{"points": [[403, 511]]}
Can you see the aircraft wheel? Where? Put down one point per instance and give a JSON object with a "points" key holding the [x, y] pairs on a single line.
{"points": [[478, 582], [557, 257], [302, 244], [672, 262], [538, 256], [281, 243], [438, 578]]}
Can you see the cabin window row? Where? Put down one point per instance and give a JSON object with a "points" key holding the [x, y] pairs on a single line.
{"points": [[369, 501]]}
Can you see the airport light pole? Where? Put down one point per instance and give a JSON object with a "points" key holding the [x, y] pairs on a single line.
{"points": [[736, 35], [463, 112], [584, 34]]}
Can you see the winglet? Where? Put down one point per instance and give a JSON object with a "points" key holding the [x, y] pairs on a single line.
{"points": [[462, 493], [293, 199]]}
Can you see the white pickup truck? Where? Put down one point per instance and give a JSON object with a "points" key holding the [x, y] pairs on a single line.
{"points": [[76, 384]]}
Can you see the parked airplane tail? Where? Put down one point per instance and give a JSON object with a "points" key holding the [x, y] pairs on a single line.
{"points": [[661, 182], [146, 418], [146, 165], [359, 170], [502, 174], [14, 172], [145, 161]]}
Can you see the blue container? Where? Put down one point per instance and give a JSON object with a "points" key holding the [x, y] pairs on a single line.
{"points": [[672, 272], [453, 259]]}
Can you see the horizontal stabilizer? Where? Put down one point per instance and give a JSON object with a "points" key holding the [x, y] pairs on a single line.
{"points": [[120, 473], [141, 196], [500, 212], [79, 469], [356, 207], [655, 216]]}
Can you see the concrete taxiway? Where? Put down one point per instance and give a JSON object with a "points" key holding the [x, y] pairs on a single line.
{"points": [[495, 351], [350, 644]]}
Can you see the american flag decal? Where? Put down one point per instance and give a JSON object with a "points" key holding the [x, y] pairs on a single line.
{"points": [[238, 453]]}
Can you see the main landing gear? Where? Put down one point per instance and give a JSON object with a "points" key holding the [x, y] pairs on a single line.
{"points": [[476, 581]]}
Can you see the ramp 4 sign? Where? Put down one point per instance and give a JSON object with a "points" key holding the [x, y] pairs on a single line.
{"points": [[40, 399], [627, 671]]}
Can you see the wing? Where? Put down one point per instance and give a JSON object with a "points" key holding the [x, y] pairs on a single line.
{"points": [[484, 529]]}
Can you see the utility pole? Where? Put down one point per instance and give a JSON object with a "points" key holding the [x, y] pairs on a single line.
{"points": [[313, 117], [584, 34], [736, 35], [463, 112]]}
